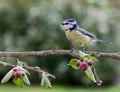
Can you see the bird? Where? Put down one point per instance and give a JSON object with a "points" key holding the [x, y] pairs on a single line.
{"points": [[79, 37]]}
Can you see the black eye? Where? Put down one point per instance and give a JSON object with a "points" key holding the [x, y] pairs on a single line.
{"points": [[65, 23]]}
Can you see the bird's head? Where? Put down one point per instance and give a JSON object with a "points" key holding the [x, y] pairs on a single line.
{"points": [[69, 24]]}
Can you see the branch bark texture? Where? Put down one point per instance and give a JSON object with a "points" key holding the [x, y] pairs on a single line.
{"points": [[58, 52]]}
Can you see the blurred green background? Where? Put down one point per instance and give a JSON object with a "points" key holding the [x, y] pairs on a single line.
{"points": [[33, 25]]}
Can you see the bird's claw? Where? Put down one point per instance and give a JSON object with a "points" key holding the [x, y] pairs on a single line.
{"points": [[83, 49], [71, 51]]}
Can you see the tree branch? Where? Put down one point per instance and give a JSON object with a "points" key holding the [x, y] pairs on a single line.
{"points": [[36, 69], [58, 52]]}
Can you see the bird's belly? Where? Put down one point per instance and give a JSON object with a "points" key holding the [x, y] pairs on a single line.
{"points": [[77, 39]]}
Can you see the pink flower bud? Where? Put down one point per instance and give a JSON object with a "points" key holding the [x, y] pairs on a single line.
{"points": [[15, 69], [78, 63], [13, 76], [90, 63], [83, 67], [81, 59], [18, 74], [23, 74]]}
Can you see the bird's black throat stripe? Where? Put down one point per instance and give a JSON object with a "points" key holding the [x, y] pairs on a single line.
{"points": [[74, 27]]}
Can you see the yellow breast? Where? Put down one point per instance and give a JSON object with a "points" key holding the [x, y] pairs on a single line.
{"points": [[77, 39]]}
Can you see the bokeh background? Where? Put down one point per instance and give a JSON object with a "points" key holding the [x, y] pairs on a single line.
{"points": [[34, 25]]}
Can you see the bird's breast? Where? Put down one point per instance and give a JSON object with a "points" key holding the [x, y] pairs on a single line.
{"points": [[77, 38]]}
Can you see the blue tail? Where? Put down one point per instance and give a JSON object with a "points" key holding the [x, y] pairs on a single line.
{"points": [[103, 41]]}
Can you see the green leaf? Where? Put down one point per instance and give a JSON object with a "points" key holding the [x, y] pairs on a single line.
{"points": [[87, 57], [93, 59], [90, 74], [20, 63], [18, 82], [45, 82], [25, 79], [26, 71], [7, 76], [73, 63], [42, 82], [82, 54]]}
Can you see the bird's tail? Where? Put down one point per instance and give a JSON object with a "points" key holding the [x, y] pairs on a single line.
{"points": [[103, 41]]}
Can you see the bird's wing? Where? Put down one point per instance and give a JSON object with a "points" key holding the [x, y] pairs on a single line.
{"points": [[84, 32]]}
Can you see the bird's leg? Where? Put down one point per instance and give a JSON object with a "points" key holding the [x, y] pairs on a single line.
{"points": [[72, 50], [83, 49]]}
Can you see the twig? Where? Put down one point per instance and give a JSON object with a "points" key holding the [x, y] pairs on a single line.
{"points": [[36, 69], [57, 52], [106, 55], [98, 81]]}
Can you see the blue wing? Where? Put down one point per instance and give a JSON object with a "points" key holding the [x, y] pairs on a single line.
{"points": [[84, 32]]}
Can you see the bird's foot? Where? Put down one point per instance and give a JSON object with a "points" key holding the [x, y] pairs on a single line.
{"points": [[72, 51], [83, 49]]}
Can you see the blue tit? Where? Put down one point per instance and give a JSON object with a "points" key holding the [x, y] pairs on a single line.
{"points": [[79, 37]]}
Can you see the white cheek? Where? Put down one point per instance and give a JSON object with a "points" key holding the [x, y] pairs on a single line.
{"points": [[67, 27]]}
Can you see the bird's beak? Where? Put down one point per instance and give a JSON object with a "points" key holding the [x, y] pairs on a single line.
{"points": [[62, 23]]}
